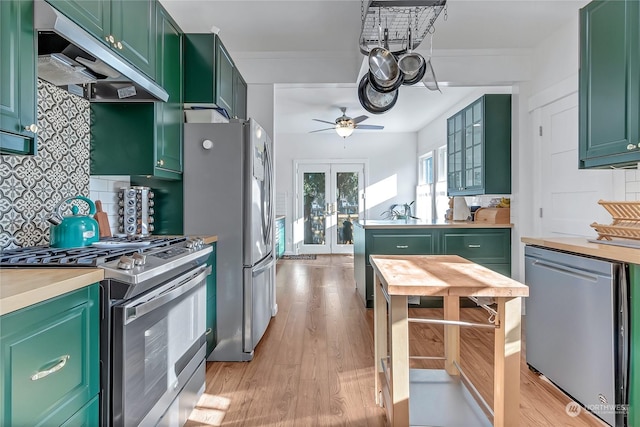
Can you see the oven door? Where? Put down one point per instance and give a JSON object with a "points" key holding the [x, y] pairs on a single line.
{"points": [[155, 336]]}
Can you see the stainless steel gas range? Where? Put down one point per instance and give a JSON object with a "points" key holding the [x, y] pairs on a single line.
{"points": [[152, 323]]}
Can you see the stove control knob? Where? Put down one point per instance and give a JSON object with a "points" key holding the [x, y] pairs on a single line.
{"points": [[139, 259], [190, 243], [125, 263]]}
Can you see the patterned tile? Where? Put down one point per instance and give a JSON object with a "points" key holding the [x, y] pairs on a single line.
{"points": [[32, 185]]}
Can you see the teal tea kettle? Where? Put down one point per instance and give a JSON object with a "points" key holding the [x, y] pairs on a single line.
{"points": [[73, 231]]}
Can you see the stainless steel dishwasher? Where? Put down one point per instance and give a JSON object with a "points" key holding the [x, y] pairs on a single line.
{"points": [[576, 330]]}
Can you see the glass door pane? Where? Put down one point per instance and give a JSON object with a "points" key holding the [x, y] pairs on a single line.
{"points": [[347, 186], [314, 201]]}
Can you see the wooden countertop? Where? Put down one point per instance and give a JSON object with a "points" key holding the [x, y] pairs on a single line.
{"points": [[442, 275], [413, 223], [22, 287], [581, 245]]}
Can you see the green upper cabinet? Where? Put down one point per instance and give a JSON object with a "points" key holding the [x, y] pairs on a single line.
{"points": [[144, 138], [92, 15], [128, 27], [609, 85], [18, 98], [239, 95], [479, 148], [50, 361], [170, 116], [211, 77]]}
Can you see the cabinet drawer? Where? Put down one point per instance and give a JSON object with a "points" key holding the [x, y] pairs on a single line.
{"points": [[402, 244], [483, 247], [88, 416], [50, 359]]}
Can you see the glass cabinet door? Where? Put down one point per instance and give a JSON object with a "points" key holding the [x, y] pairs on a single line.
{"points": [[455, 151], [473, 147]]}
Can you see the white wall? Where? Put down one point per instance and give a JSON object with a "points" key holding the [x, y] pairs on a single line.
{"points": [[391, 167]]}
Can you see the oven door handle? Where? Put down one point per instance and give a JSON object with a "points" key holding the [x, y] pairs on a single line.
{"points": [[164, 294]]}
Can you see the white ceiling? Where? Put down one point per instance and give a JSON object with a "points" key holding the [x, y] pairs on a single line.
{"points": [[332, 27]]}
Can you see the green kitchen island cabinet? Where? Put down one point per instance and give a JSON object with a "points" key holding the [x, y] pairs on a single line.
{"points": [[609, 87], [479, 147], [211, 77], [280, 236], [50, 361], [127, 27], [18, 100], [488, 245], [144, 138]]}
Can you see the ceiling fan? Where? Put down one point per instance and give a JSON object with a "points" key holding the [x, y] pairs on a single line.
{"points": [[344, 125]]}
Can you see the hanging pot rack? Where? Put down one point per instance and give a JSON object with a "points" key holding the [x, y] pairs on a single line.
{"points": [[397, 16]]}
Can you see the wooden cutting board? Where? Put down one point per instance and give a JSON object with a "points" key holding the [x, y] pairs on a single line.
{"points": [[103, 220]]}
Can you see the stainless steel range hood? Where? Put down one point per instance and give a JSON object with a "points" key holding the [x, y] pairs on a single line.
{"points": [[70, 57]]}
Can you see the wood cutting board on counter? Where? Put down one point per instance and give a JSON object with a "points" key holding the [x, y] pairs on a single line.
{"points": [[103, 220]]}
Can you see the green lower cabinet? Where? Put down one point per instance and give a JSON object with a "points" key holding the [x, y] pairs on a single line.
{"points": [[88, 416], [634, 382], [50, 361], [211, 300], [490, 247]]}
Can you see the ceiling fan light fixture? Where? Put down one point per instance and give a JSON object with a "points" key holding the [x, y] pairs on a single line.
{"points": [[345, 128]]}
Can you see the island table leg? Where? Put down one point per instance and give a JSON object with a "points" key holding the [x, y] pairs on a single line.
{"points": [[506, 387], [379, 333], [399, 350], [452, 334]]}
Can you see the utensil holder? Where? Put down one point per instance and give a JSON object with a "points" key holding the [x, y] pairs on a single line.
{"points": [[136, 211]]}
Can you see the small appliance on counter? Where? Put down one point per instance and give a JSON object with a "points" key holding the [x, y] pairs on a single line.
{"points": [[461, 211], [136, 211]]}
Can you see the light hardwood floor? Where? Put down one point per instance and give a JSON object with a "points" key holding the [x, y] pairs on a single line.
{"points": [[314, 366]]}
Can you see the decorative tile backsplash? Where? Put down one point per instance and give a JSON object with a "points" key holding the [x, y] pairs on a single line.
{"points": [[31, 186], [106, 188]]}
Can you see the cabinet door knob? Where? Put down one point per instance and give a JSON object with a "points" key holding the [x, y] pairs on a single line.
{"points": [[31, 128], [110, 38], [119, 45], [632, 146], [161, 162]]}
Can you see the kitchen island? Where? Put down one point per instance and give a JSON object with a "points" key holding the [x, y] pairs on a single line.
{"points": [[485, 244], [441, 397]]}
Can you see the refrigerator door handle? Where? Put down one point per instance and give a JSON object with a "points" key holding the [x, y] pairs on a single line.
{"points": [[269, 261]]}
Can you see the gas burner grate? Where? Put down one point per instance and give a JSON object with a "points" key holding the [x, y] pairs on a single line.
{"points": [[45, 256]]}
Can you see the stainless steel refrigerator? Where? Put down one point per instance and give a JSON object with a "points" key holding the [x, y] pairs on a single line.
{"points": [[228, 192]]}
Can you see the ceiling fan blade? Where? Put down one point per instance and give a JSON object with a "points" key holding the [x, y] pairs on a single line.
{"points": [[359, 119], [369, 127], [324, 121], [320, 130]]}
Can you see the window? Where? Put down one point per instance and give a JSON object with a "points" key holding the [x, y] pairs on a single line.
{"points": [[431, 193]]}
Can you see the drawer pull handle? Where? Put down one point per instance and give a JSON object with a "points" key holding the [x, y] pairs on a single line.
{"points": [[41, 374], [474, 246], [402, 246], [208, 331]]}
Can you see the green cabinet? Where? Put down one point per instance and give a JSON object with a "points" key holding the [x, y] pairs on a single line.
{"points": [[280, 237], [609, 87], [169, 115], [18, 98], [144, 138], [211, 301], [128, 27], [490, 247], [479, 147], [50, 361], [211, 77]]}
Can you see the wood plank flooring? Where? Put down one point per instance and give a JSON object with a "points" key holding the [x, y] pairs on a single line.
{"points": [[314, 366]]}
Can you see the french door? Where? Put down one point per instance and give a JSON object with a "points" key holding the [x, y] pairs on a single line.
{"points": [[329, 198]]}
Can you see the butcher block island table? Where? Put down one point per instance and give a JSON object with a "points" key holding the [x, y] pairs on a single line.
{"points": [[443, 397]]}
